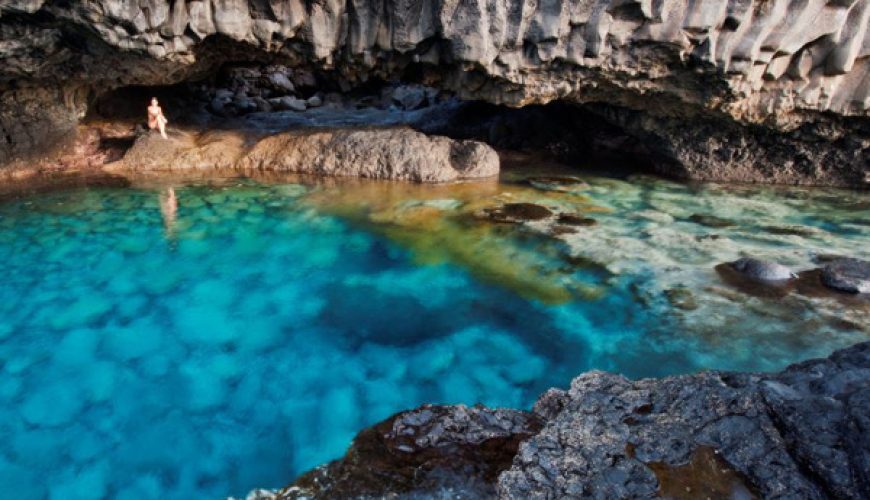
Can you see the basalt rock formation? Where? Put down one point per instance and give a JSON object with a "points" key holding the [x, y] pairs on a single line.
{"points": [[800, 433], [754, 90]]}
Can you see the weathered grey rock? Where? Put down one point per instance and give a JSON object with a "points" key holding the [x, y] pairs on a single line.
{"points": [[244, 105], [314, 101], [762, 270], [218, 105], [771, 91], [421, 452], [294, 104], [288, 103], [787, 435], [409, 97], [262, 105], [386, 153], [280, 82], [801, 433], [848, 275]]}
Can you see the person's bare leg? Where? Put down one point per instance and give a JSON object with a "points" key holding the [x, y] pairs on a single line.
{"points": [[162, 125]]}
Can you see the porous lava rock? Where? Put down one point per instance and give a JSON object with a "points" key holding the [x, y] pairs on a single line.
{"points": [[799, 433]]}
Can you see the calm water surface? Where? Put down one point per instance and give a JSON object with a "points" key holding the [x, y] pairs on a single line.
{"points": [[248, 337]]}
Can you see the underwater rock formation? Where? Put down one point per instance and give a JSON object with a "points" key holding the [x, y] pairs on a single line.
{"points": [[800, 433], [752, 90], [397, 153]]}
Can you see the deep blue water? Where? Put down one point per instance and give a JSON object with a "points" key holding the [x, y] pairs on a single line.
{"points": [[253, 338]]}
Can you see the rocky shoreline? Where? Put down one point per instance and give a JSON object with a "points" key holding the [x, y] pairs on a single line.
{"points": [[799, 433]]}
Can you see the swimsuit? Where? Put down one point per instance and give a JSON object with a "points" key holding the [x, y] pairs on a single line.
{"points": [[154, 117]]}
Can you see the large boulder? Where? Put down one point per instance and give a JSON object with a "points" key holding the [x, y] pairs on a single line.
{"points": [[378, 153], [847, 275]]}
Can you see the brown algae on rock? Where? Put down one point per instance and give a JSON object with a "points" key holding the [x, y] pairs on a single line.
{"points": [[706, 476], [443, 224]]}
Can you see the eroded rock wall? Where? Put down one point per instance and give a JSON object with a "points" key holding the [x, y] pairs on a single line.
{"points": [[777, 64]]}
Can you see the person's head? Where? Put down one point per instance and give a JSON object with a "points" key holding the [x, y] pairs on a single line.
{"points": [[154, 101]]}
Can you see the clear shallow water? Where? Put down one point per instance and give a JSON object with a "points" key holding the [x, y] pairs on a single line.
{"points": [[251, 338]]}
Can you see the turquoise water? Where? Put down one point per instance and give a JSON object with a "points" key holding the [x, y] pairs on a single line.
{"points": [[249, 336]]}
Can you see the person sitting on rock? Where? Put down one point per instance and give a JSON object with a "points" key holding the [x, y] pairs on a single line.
{"points": [[156, 119]]}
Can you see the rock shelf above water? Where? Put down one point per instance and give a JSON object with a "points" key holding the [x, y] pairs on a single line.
{"points": [[384, 153], [800, 433]]}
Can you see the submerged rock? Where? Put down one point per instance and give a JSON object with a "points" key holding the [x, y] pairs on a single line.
{"points": [[847, 275], [791, 230], [517, 212], [762, 270], [800, 433], [559, 230], [711, 221], [557, 183], [576, 220], [681, 298]]}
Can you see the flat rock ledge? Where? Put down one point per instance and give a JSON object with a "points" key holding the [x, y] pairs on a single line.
{"points": [[801, 433], [397, 153]]}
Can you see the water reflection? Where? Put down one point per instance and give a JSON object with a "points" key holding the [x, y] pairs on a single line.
{"points": [[169, 211]]}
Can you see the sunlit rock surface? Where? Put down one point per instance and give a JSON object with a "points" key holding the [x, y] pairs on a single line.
{"points": [[774, 90], [385, 153], [800, 433]]}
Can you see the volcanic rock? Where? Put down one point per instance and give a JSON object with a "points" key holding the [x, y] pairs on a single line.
{"points": [[847, 275], [386, 153]]}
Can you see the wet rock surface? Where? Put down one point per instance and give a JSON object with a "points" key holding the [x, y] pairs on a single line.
{"points": [[762, 270], [434, 451], [800, 433], [377, 153], [848, 275], [557, 183]]}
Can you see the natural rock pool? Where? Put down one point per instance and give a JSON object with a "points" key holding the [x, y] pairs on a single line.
{"points": [[245, 336]]}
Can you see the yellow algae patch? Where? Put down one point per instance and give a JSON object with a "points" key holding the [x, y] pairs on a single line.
{"points": [[436, 224]]}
